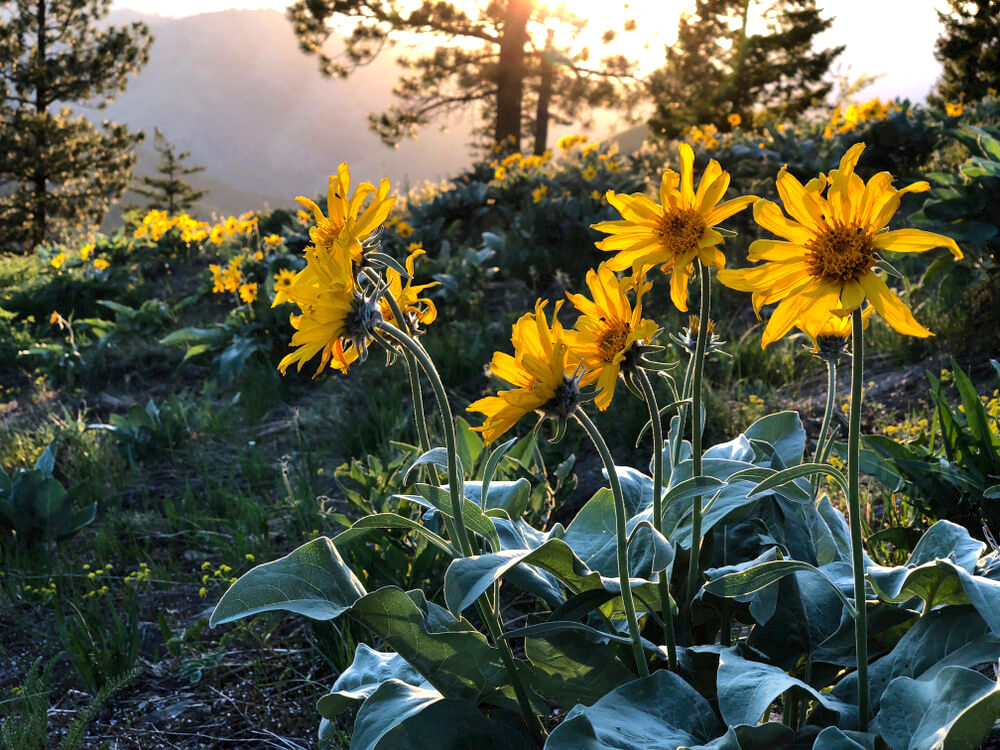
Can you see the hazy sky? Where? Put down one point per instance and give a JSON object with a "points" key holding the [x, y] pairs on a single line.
{"points": [[890, 37]]}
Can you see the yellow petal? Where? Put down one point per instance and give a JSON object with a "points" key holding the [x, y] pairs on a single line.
{"points": [[724, 210], [891, 307], [769, 215], [915, 241]]}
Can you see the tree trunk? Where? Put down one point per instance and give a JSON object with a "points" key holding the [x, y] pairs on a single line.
{"points": [[544, 96], [39, 180], [510, 79]]}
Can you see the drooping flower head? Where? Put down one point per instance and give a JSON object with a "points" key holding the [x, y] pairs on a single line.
{"points": [[826, 263], [337, 321], [412, 305], [537, 371], [830, 337], [346, 220], [608, 328], [675, 231]]}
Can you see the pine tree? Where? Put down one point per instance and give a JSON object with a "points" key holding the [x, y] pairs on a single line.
{"points": [[969, 49], [718, 69], [488, 59], [170, 192], [58, 172]]}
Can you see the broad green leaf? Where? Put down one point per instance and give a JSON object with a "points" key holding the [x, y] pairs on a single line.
{"points": [[746, 690], [834, 738], [492, 463], [475, 520], [810, 611], [313, 581], [46, 463], [947, 540], [574, 667], [784, 431], [369, 669], [467, 578], [363, 526], [949, 637], [746, 737], [399, 716], [797, 472], [435, 457], [470, 444], [755, 578], [659, 711], [561, 626], [512, 497], [954, 710], [450, 653]]}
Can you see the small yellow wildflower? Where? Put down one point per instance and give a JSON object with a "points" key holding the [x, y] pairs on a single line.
{"points": [[734, 120], [57, 262], [404, 230], [53, 319], [86, 250], [100, 264], [202, 592], [249, 556], [539, 192], [414, 246], [954, 109], [500, 173], [589, 173], [248, 292], [273, 240]]}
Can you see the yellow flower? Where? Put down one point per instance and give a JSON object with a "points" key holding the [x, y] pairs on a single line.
{"points": [[259, 255], [827, 132], [217, 235], [734, 120], [248, 292], [273, 240], [54, 317], [826, 266], [537, 372], [283, 281], [100, 264], [408, 297], [608, 328], [831, 335], [202, 592], [232, 277], [500, 173], [614, 166], [991, 91], [954, 109], [304, 217], [327, 294], [568, 141], [218, 283], [539, 192], [345, 214], [675, 231], [595, 195], [86, 250], [57, 262], [414, 246], [404, 230], [589, 173]]}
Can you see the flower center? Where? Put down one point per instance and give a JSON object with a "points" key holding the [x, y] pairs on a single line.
{"points": [[613, 341], [841, 254], [679, 231], [326, 232]]}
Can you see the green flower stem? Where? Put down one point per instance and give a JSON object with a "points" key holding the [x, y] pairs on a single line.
{"points": [[675, 454], [663, 581], [831, 397], [487, 610], [854, 506], [622, 538], [696, 426]]}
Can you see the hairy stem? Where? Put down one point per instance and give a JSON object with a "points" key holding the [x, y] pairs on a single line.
{"points": [[663, 581], [622, 539], [854, 506], [487, 610], [831, 396], [696, 427]]}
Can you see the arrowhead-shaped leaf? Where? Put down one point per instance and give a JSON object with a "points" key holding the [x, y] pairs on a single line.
{"points": [[313, 581]]}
